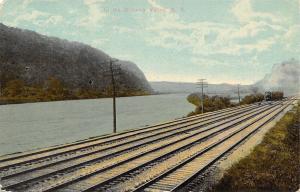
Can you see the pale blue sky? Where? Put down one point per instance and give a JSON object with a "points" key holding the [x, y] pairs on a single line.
{"points": [[233, 41]]}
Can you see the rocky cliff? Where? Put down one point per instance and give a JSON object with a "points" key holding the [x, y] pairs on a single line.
{"points": [[34, 58]]}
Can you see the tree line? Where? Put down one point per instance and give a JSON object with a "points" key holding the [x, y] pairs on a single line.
{"points": [[213, 103], [16, 91]]}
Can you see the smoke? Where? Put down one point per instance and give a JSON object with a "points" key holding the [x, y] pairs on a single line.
{"points": [[284, 77]]}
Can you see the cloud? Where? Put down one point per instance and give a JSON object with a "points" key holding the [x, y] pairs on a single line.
{"points": [[1, 4], [246, 36], [207, 62], [157, 76], [244, 12], [154, 4], [24, 13], [291, 39], [252, 29], [95, 13], [99, 42], [121, 29], [206, 38], [38, 18], [261, 45]]}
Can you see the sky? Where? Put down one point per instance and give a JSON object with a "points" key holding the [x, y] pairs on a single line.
{"points": [[224, 41]]}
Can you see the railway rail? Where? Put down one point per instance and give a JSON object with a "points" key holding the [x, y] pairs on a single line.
{"points": [[117, 136], [144, 159], [42, 158]]}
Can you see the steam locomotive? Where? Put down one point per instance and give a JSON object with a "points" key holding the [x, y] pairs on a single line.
{"points": [[268, 96]]}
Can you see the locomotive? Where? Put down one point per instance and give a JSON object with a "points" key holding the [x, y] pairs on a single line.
{"points": [[268, 96]]}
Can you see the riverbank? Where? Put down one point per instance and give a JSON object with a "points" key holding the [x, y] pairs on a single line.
{"points": [[16, 92], [22, 100], [273, 165]]}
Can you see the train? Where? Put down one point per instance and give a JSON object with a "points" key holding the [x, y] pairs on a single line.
{"points": [[273, 95], [268, 96]]}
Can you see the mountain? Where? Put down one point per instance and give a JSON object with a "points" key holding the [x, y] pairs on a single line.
{"points": [[284, 76], [34, 58], [212, 89]]}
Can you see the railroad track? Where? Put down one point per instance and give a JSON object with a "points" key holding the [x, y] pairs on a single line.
{"points": [[87, 145], [19, 160], [110, 162], [119, 135], [182, 175]]}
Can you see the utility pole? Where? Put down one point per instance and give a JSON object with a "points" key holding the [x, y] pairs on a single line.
{"points": [[238, 86], [112, 73], [203, 84], [114, 96]]}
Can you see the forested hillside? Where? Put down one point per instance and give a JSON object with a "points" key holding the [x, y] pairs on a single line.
{"points": [[30, 61]]}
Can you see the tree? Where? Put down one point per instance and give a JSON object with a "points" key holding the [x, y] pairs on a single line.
{"points": [[210, 103], [194, 99], [252, 98], [54, 87], [14, 88], [8, 72]]}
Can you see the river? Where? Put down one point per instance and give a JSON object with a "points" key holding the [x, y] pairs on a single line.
{"points": [[36, 125]]}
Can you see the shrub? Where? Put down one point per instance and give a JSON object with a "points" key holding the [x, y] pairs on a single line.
{"points": [[14, 88], [209, 103], [252, 98], [54, 87]]}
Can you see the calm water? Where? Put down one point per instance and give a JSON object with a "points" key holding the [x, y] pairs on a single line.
{"points": [[29, 126]]}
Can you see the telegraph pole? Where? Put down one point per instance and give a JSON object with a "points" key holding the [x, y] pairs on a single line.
{"points": [[203, 84], [238, 86], [114, 96], [112, 73]]}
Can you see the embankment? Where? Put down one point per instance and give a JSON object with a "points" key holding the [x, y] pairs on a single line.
{"points": [[273, 165]]}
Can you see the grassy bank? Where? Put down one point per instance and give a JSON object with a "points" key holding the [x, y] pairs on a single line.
{"points": [[273, 165]]}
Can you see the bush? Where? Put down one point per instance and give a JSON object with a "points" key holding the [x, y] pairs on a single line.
{"points": [[210, 103], [54, 87], [14, 88], [252, 98]]}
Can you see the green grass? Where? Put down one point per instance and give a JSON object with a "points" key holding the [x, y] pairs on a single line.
{"points": [[273, 165]]}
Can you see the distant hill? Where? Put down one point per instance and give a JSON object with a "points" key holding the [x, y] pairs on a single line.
{"points": [[34, 58], [212, 89], [284, 76]]}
